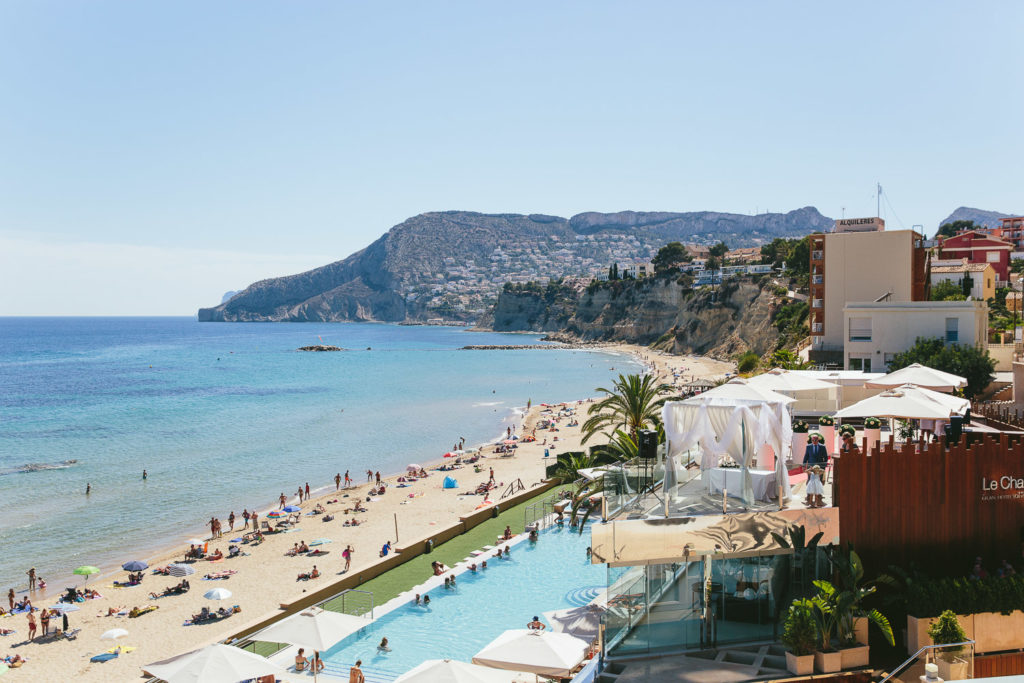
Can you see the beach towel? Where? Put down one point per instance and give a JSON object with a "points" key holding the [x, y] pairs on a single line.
{"points": [[105, 657]]}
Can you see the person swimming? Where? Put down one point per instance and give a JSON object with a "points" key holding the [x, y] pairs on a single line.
{"points": [[384, 647]]}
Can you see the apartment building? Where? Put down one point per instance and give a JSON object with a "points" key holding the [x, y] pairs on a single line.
{"points": [[858, 264], [876, 331], [980, 247]]}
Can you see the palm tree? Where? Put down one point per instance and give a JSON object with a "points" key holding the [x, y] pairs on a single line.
{"points": [[622, 447], [633, 403]]}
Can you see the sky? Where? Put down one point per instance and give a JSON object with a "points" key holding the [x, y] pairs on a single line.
{"points": [[158, 154]]}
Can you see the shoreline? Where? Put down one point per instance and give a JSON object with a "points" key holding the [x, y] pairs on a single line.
{"points": [[265, 577]]}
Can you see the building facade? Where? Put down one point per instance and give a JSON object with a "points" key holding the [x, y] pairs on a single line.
{"points": [[976, 280], [857, 266], [980, 247], [1012, 230], [877, 331]]}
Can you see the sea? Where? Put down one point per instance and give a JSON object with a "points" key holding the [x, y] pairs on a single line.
{"points": [[226, 416]]}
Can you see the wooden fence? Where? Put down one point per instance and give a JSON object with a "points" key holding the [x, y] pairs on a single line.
{"points": [[936, 506]]}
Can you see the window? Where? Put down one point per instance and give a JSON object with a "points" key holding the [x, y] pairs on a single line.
{"points": [[860, 363], [952, 330], [992, 256], [889, 358], [860, 329]]}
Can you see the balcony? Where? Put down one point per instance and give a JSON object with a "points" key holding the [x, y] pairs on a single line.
{"points": [[817, 255], [817, 303], [817, 279], [817, 328]]}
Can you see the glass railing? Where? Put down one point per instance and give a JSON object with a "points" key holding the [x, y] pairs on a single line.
{"points": [[817, 255], [817, 279], [953, 662]]}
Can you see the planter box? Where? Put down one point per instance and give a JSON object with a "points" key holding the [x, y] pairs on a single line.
{"points": [[956, 670], [802, 665], [994, 632], [855, 657], [799, 446], [917, 631], [828, 662], [829, 435], [860, 630], [873, 436]]}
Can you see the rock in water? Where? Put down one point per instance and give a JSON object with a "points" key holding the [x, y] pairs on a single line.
{"points": [[321, 347]]}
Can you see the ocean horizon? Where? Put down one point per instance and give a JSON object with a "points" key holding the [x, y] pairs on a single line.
{"points": [[228, 416]]}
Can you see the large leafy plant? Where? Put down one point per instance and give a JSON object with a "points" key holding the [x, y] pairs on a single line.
{"points": [[800, 629]]}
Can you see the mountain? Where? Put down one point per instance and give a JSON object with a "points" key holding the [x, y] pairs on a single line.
{"points": [[452, 264], [227, 296], [989, 219]]}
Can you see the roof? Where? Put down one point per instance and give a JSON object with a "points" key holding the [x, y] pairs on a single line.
{"points": [[972, 267]]}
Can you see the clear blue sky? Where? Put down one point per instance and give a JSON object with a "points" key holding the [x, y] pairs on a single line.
{"points": [[156, 154]]}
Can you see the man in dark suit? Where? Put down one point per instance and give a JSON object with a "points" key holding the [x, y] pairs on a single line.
{"points": [[815, 456]]}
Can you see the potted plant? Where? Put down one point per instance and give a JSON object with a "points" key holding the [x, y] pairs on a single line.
{"points": [[800, 430], [872, 430], [800, 636], [851, 615], [947, 630], [827, 659], [827, 425]]}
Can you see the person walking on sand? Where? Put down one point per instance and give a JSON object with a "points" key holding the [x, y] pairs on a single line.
{"points": [[231, 521], [300, 493], [347, 554], [283, 499], [355, 674], [378, 478], [213, 527], [337, 481], [245, 517], [31, 578], [307, 490], [348, 480], [491, 480], [31, 625], [10, 597], [369, 475]]}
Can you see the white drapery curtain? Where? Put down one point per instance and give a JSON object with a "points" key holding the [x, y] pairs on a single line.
{"points": [[737, 428]]}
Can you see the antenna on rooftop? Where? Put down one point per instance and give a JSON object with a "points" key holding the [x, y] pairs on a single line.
{"points": [[878, 201]]}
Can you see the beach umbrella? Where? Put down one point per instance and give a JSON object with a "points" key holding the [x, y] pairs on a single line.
{"points": [[899, 403], [180, 570], [539, 652], [582, 622], [63, 607], [134, 566], [275, 514], [86, 571], [454, 671], [413, 467], [216, 663], [195, 541], [292, 508], [788, 382], [738, 390], [217, 594], [922, 376], [319, 541], [314, 629], [114, 634]]}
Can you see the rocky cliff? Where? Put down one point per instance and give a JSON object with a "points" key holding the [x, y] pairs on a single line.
{"points": [[989, 219], [453, 264], [663, 311]]}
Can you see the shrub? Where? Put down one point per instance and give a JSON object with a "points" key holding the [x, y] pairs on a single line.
{"points": [[800, 630], [826, 421], [800, 427], [847, 429], [928, 598], [747, 362], [872, 423], [946, 630]]}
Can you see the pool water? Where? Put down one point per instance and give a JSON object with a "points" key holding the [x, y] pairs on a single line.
{"points": [[553, 573]]}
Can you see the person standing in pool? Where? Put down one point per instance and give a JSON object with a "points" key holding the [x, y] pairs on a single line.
{"points": [[536, 625], [355, 674]]}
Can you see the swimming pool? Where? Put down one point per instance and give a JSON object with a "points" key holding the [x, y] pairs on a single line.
{"points": [[553, 573]]}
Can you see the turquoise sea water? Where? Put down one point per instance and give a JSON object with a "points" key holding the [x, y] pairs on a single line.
{"points": [[227, 416]]}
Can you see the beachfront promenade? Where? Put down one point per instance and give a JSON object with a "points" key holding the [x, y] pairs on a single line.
{"points": [[265, 577]]}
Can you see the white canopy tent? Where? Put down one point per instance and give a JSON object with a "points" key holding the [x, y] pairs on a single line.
{"points": [[906, 402], [740, 420], [213, 664], [454, 671], [539, 652], [922, 376], [788, 382]]}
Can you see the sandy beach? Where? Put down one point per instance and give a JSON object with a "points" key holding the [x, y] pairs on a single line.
{"points": [[266, 576]]}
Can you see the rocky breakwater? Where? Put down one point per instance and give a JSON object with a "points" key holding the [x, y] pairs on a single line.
{"points": [[513, 347], [320, 347]]}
